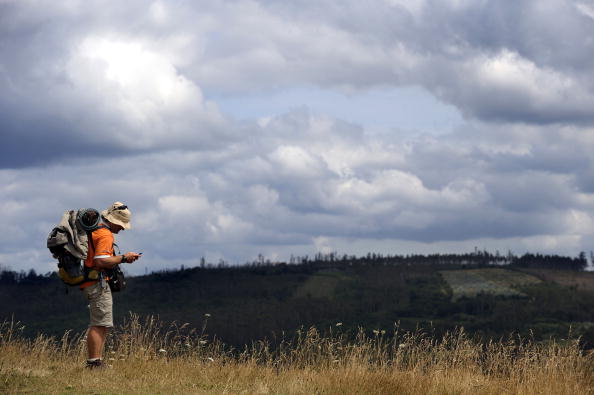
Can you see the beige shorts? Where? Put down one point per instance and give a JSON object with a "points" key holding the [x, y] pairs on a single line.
{"points": [[100, 304]]}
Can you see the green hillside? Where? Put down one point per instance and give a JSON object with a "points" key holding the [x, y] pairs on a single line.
{"points": [[246, 303]]}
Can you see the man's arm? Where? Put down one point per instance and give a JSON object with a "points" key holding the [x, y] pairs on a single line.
{"points": [[110, 262]]}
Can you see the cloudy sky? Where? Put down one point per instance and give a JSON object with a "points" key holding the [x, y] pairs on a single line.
{"points": [[238, 128]]}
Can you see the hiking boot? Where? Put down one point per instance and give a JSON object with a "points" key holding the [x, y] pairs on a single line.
{"points": [[96, 364]]}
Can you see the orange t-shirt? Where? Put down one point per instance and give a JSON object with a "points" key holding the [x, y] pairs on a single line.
{"points": [[103, 242]]}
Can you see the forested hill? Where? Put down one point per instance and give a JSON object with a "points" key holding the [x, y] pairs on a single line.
{"points": [[488, 294]]}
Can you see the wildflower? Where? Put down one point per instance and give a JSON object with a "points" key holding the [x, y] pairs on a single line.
{"points": [[339, 324], [162, 351], [207, 315], [383, 332], [188, 345], [203, 342], [112, 352], [111, 359], [376, 332], [402, 345], [336, 361], [210, 359]]}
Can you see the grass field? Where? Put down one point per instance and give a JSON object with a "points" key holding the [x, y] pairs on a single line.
{"points": [[148, 358], [494, 281]]}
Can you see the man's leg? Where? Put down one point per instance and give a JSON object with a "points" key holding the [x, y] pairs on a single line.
{"points": [[101, 317], [96, 340]]}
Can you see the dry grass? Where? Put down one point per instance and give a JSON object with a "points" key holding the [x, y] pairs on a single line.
{"points": [[148, 358]]}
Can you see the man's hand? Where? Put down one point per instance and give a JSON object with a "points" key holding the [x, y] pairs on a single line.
{"points": [[132, 256]]}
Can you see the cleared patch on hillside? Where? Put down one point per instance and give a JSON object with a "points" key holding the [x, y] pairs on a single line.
{"points": [[320, 285], [492, 281], [567, 278]]}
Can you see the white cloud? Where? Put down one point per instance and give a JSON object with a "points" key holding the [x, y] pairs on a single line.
{"points": [[507, 70], [181, 207], [159, 12], [585, 8], [553, 243], [138, 89], [541, 88], [413, 6], [296, 161], [579, 222], [262, 198]]}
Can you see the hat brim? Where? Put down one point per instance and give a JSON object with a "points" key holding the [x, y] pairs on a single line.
{"points": [[105, 214]]}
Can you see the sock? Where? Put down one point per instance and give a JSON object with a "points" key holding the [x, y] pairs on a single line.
{"points": [[91, 360]]}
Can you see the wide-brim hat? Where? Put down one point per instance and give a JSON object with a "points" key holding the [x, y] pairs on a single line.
{"points": [[118, 214]]}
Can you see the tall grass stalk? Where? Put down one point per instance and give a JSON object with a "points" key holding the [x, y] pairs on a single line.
{"points": [[149, 357]]}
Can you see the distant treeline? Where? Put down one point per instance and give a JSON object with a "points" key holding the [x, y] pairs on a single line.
{"points": [[474, 259], [319, 261]]}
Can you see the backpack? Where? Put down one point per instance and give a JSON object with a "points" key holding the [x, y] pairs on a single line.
{"points": [[68, 243]]}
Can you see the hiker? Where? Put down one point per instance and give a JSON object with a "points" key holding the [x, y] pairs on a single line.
{"points": [[101, 257]]}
